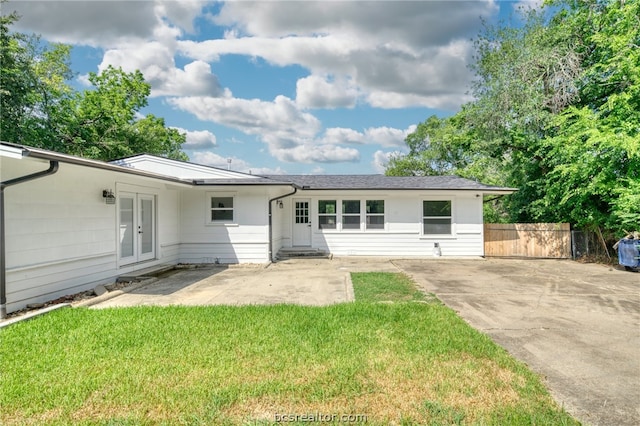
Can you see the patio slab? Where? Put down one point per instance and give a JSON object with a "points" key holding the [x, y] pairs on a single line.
{"points": [[313, 282]]}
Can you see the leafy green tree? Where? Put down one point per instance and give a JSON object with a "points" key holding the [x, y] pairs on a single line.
{"points": [[556, 114], [40, 109], [102, 123]]}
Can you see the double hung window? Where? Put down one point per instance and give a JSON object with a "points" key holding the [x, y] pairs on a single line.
{"points": [[327, 214], [375, 214], [351, 214], [221, 209], [436, 217]]}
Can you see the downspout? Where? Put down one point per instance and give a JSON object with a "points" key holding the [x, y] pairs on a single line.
{"points": [[295, 189], [53, 167]]}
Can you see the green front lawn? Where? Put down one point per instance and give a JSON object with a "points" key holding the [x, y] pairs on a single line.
{"points": [[402, 362]]}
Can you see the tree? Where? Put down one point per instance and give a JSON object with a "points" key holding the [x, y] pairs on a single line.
{"points": [[39, 108], [556, 114], [102, 123]]}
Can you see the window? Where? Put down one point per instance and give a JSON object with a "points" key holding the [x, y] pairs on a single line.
{"points": [[221, 209], [436, 217], [302, 212], [350, 214], [327, 214], [375, 214]]}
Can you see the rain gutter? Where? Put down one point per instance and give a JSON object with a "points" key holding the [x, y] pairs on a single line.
{"points": [[53, 168], [295, 189]]}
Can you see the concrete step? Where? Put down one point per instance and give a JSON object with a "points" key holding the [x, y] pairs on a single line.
{"points": [[145, 273], [306, 253]]}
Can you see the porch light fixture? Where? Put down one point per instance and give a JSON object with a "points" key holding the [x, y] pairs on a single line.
{"points": [[280, 204], [108, 196]]}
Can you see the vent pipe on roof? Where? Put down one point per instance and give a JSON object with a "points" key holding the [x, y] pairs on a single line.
{"points": [[53, 167]]}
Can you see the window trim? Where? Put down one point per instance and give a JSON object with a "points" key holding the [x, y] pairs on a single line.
{"points": [[338, 215], [451, 217], [383, 215], [209, 218], [358, 215], [335, 215]]}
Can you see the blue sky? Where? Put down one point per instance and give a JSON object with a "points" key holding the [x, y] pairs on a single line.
{"points": [[292, 87]]}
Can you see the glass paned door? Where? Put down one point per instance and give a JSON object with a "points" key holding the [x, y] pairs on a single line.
{"points": [[136, 227], [126, 227], [301, 223], [146, 227]]}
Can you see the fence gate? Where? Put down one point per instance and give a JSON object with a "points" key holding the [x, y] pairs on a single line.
{"points": [[542, 240]]}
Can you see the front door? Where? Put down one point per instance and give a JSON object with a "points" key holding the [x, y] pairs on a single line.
{"points": [[301, 223], [137, 228]]}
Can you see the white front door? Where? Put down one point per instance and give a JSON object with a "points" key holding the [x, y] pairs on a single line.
{"points": [[301, 222], [136, 227]]}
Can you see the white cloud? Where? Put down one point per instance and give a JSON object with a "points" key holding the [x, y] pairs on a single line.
{"points": [[156, 62], [386, 53], [421, 74], [237, 164], [400, 54], [103, 23], [198, 139], [136, 35], [413, 23], [289, 133], [314, 153], [341, 135], [323, 92], [381, 160], [280, 124], [208, 158], [385, 136]]}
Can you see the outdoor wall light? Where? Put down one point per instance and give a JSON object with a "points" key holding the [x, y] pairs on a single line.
{"points": [[280, 204], [108, 196]]}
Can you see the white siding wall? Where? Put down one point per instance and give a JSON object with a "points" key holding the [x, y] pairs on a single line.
{"points": [[279, 224], [61, 236], [245, 240], [402, 235]]}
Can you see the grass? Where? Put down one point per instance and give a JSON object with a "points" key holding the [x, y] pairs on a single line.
{"points": [[385, 287], [395, 363]]}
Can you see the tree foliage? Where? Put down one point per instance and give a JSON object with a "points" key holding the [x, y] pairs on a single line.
{"points": [[556, 114], [40, 109]]}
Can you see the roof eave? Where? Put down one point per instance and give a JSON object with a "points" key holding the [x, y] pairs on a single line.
{"points": [[69, 159], [199, 182]]}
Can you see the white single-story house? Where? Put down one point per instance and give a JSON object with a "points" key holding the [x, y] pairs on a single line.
{"points": [[69, 224]]}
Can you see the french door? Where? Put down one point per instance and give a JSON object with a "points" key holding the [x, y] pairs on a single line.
{"points": [[137, 227]]}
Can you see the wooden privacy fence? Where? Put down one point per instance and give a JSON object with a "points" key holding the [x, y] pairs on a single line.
{"points": [[543, 240]]}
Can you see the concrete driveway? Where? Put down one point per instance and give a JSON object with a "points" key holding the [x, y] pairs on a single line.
{"points": [[577, 325]]}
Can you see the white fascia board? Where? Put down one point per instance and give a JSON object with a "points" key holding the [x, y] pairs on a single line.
{"points": [[179, 169], [11, 152]]}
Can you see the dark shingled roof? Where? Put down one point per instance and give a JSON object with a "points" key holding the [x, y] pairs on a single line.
{"points": [[386, 182]]}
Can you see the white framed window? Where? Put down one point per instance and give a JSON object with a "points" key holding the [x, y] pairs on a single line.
{"points": [[374, 214], [351, 214], [221, 208], [327, 214], [437, 217]]}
